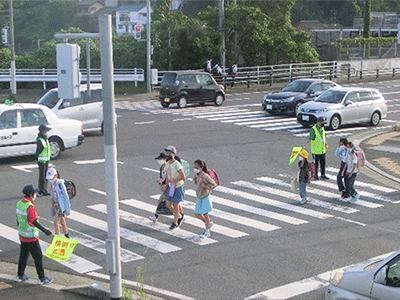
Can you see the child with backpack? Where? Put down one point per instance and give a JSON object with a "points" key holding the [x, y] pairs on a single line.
{"points": [[304, 175], [350, 174], [205, 185]]}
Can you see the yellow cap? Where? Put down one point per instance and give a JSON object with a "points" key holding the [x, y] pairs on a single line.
{"points": [[304, 153]]}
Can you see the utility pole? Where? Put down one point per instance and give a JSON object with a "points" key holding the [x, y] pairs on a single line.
{"points": [[113, 244], [13, 83], [148, 39], [221, 31]]}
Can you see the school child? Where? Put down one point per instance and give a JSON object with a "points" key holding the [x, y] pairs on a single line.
{"points": [[304, 175], [205, 185], [350, 174], [162, 160], [341, 151]]}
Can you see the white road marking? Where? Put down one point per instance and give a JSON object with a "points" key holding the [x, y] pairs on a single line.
{"points": [[183, 119], [231, 217], [26, 168], [93, 161], [75, 263], [130, 235], [386, 148], [179, 233], [144, 123], [188, 219]]}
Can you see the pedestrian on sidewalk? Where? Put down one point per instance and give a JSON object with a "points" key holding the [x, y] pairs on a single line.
{"points": [[341, 151], [60, 203], [162, 161], [176, 187], [28, 230], [319, 146], [350, 174], [205, 185], [304, 175], [42, 156]]}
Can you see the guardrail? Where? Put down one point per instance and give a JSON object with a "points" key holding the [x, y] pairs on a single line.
{"points": [[247, 76], [50, 75]]}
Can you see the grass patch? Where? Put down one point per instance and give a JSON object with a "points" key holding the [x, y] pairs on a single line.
{"points": [[396, 128]]}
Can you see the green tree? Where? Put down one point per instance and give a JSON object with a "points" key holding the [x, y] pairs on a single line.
{"points": [[347, 12], [367, 26]]}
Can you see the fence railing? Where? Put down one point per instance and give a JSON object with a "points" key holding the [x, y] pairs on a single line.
{"points": [[50, 75], [247, 76]]}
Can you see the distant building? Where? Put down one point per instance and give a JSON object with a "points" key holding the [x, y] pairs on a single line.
{"points": [[88, 7], [128, 16], [382, 23]]}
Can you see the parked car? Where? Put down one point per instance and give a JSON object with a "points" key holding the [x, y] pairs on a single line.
{"points": [[294, 94], [185, 87], [344, 106], [85, 108], [19, 124], [377, 279]]}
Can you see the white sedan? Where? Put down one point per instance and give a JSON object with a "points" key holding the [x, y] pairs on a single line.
{"points": [[19, 125]]}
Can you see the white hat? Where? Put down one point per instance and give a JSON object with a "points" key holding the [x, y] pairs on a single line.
{"points": [[51, 172], [171, 149]]}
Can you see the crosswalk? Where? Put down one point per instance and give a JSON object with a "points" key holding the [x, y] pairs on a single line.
{"points": [[242, 115], [241, 208]]}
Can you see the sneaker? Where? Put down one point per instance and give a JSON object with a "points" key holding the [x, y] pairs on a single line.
{"points": [[45, 280], [153, 218], [324, 177], [22, 278], [40, 194], [303, 201], [316, 178], [180, 220], [205, 234], [173, 226], [346, 198], [354, 198], [343, 193]]}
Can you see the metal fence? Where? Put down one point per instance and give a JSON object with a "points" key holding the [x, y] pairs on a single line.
{"points": [[247, 76]]}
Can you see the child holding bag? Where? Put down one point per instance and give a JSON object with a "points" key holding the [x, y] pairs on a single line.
{"points": [[304, 175]]}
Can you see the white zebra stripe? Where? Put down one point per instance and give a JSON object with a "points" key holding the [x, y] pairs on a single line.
{"points": [[135, 237], [188, 219], [179, 233]]}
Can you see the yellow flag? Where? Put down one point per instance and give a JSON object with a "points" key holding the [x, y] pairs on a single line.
{"points": [[60, 248], [295, 153]]}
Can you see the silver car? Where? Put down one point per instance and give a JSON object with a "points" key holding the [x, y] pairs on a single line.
{"points": [[379, 279], [344, 106]]}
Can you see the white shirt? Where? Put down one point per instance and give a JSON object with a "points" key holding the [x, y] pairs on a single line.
{"points": [[351, 160]]}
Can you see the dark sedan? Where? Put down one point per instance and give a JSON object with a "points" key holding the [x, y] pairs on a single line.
{"points": [[294, 94]]}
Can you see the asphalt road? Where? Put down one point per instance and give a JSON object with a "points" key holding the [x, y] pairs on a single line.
{"points": [[262, 240]]}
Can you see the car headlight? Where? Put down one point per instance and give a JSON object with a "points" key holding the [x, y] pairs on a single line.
{"points": [[287, 99], [337, 278], [322, 110]]}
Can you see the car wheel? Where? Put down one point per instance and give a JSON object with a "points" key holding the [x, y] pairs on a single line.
{"points": [[296, 107], [335, 122], [182, 102], [165, 104], [375, 119], [219, 99], [55, 147]]}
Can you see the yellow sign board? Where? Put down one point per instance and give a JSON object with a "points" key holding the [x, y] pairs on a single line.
{"points": [[60, 248]]}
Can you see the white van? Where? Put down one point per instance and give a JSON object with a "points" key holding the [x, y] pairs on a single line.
{"points": [[87, 109]]}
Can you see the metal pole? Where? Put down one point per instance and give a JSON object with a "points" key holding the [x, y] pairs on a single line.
{"points": [[88, 66], [110, 153], [221, 31], [13, 83], [148, 46]]}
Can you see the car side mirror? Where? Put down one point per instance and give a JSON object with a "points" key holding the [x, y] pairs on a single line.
{"points": [[348, 102], [66, 104], [380, 276], [312, 92]]}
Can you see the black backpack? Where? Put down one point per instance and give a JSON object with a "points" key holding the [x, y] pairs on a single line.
{"points": [[71, 188], [205, 67]]}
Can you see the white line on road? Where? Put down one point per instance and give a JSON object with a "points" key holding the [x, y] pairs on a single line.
{"points": [[144, 123], [93, 161]]}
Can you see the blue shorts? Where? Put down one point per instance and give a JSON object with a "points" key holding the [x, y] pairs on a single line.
{"points": [[203, 206], [178, 196]]}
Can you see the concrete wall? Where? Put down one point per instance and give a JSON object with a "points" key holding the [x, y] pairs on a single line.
{"points": [[370, 64]]}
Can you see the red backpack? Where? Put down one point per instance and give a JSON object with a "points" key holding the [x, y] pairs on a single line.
{"points": [[213, 175]]}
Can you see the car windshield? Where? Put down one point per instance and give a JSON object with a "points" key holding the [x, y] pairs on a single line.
{"points": [[331, 96], [50, 99], [168, 79], [297, 86]]}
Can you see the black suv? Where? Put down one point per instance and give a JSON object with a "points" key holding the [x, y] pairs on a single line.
{"points": [[185, 87], [294, 94]]}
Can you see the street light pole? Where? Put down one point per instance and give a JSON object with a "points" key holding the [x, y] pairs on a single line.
{"points": [[13, 83], [221, 30], [148, 39]]}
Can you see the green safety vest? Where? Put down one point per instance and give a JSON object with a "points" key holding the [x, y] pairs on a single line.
{"points": [[24, 229], [44, 156], [318, 145]]}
